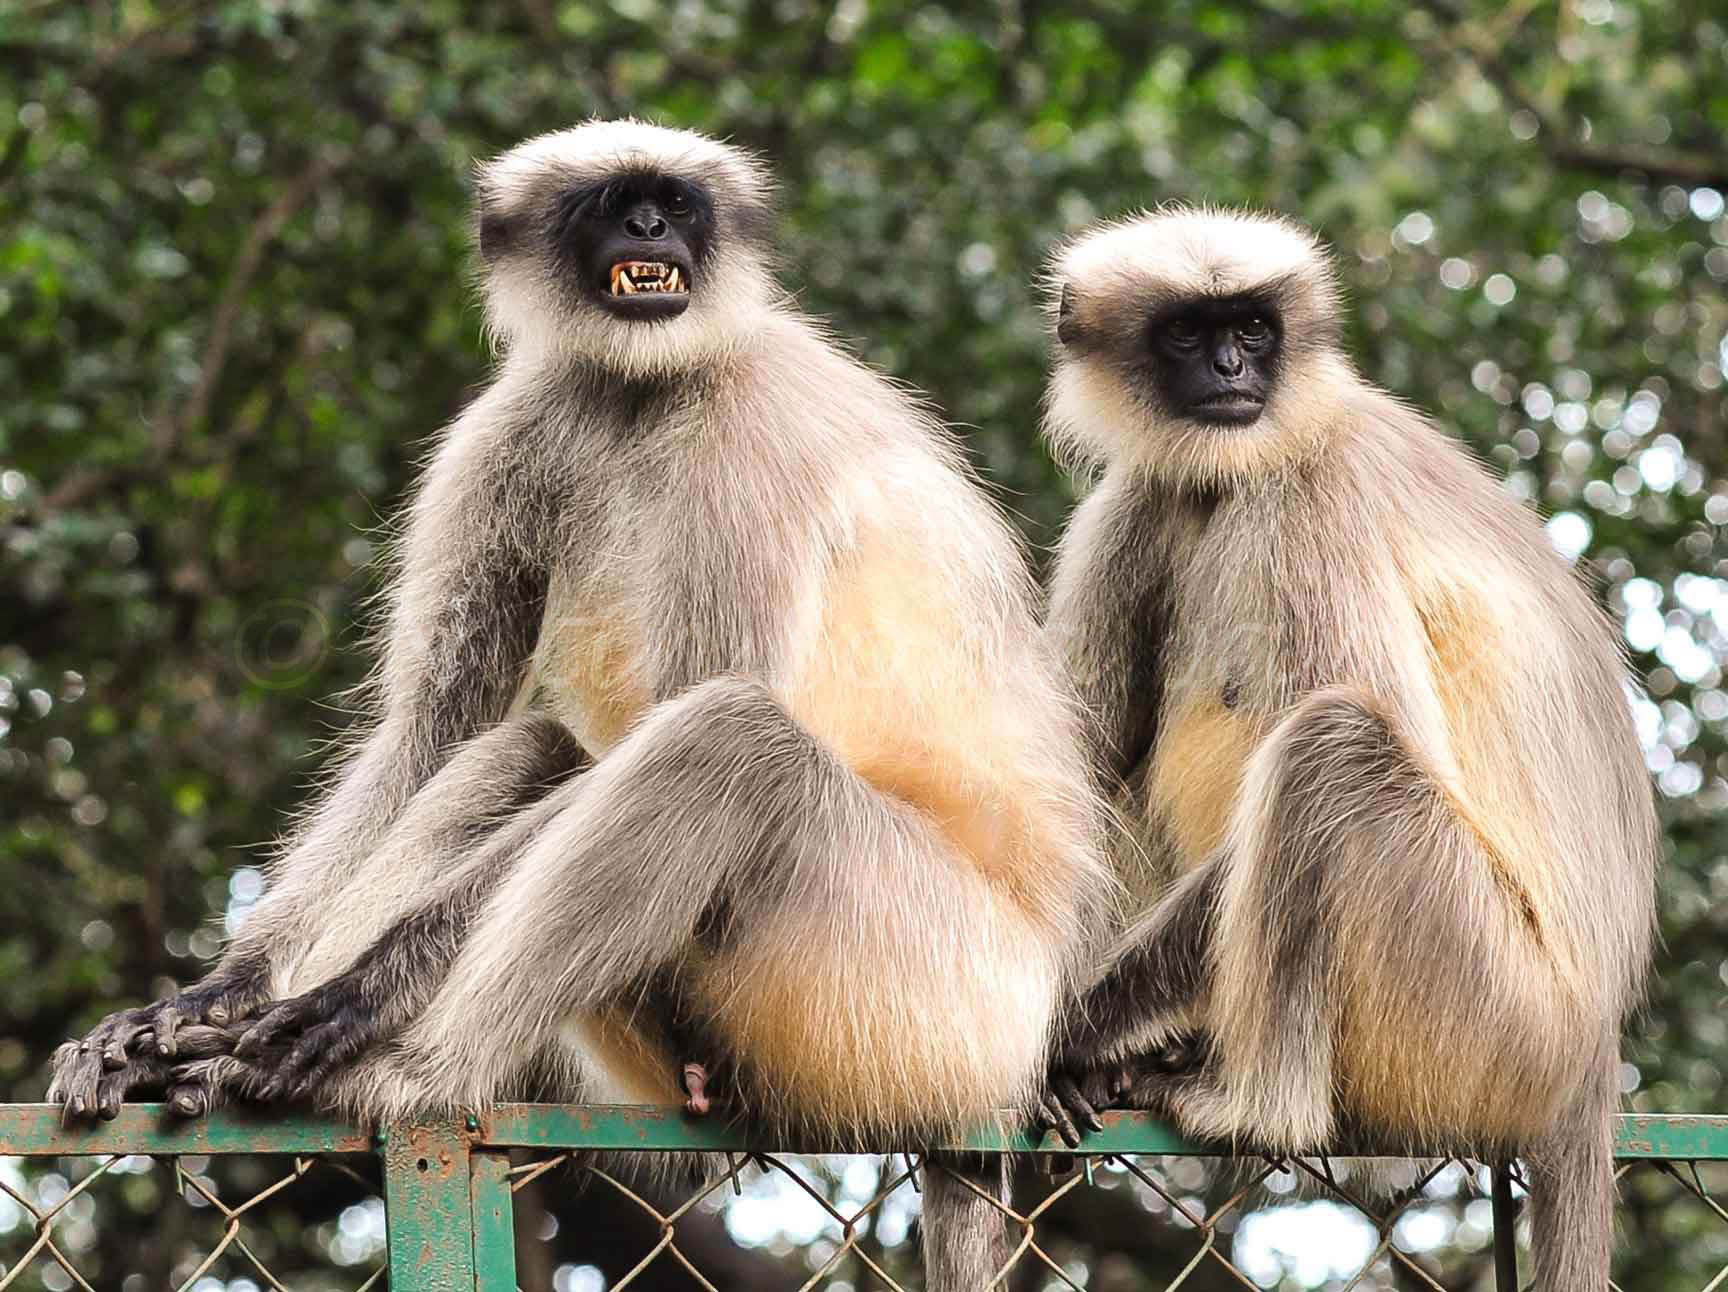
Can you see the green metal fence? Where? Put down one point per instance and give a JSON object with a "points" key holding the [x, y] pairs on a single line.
{"points": [[449, 1191]]}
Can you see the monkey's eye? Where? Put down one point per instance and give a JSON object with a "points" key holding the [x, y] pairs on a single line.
{"points": [[1255, 331], [1182, 334], [677, 204]]}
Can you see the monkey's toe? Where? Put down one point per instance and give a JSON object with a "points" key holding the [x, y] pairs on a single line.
{"points": [[694, 1078]]}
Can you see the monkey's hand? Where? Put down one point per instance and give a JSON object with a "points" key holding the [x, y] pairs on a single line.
{"points": [[87, 1084], [1078, 1093], [93, 1076], [296, 1044], [1074, 1098]]}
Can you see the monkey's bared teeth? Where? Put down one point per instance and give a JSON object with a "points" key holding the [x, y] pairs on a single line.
{"points": [[632, 276]]}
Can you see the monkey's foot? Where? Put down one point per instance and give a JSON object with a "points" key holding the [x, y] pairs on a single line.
{"points": [[295, 1045], [693, 1077], [81, 1069]]}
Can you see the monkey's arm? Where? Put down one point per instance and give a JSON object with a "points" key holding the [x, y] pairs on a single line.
{"points": [[463, 829], [1110, 617], [465, 612]]}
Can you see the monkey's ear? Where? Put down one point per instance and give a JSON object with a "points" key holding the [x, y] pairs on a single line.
{"points": [[1067, 326]]}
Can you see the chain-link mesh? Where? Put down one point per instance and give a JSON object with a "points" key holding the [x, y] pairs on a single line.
{"points": [[1340, 1224], [202, 1224], [245, 1222], [1679, 1207]]}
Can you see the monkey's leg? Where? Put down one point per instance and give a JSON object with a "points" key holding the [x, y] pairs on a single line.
{"points": [[1350, 898], [465, 826], [720, 821], [718, 801]]}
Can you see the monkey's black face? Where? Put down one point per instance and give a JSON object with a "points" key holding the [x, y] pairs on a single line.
{"points": [[1216, 361], [638, 243]]}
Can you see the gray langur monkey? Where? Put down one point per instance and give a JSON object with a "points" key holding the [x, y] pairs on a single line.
{"points": [[1393, 836], [838, 836]]}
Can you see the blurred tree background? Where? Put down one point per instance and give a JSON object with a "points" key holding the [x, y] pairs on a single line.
{"points": [[235, 299]]}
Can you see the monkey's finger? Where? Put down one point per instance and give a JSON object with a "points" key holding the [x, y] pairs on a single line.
{"points": [[1074, 1099], [288, 1016], [199, 1087], [320, 1049], [114, 1087], [78, 1078], [109, 1093], [125, 1040], [60, 1069], [341, 1044], [202, 1041], [1121, 1082], [167, 1031], [319, 1073], [188, 1100], [1059, 1121]]}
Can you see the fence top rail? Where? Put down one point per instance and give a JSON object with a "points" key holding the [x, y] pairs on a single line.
{"points": [[37, 1130]]}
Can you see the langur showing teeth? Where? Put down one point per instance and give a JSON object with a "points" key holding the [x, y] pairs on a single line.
{"points": [[632, 276], [771, 696]]}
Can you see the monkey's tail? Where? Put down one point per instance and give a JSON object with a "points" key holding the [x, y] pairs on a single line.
{"points": [[964, 1233], [1572, 1193]]}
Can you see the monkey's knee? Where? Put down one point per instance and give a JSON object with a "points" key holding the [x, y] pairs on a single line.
{"points": [[535, 742], [1337, 745], [732, 697], [1339, 715], [518, 757], [738, 718]]}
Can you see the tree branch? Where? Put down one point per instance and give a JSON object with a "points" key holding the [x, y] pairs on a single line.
{"points": [[258, 238]]}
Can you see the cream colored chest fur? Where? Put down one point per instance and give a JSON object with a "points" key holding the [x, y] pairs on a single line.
{"points": [[589, 661]]}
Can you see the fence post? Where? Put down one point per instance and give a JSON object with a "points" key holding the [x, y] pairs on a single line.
{"points": [[1505, 1229], [494, 1234], [428, 1207]]}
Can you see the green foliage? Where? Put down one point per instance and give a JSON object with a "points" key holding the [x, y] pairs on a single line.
{"points": [[234, 259]]}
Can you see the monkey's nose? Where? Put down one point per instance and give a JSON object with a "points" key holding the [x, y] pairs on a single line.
{"points": [[647, 225], [1227, 363]]}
